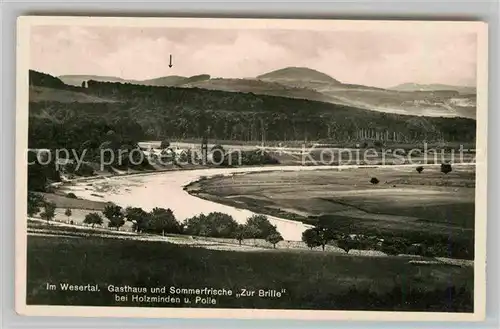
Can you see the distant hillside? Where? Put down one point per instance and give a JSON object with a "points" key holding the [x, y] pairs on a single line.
{"points": [[297, 73], [71, 116], [259, 87], [44, 80], [445, 103], [171, 80], [195, 78], [44, 94], [434, 87], [154, 113], [304, 83], [76, 80]]}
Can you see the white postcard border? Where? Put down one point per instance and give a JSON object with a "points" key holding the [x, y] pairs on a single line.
{"points": [[22, 99]]}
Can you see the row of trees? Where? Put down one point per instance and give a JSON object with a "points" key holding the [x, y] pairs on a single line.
{"points": [[158, 221], [168, 112], [323, 235], [144, 120], [162, 221], [220, 225], [38, 204]]}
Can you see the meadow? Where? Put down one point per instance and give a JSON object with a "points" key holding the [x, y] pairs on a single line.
{"points": [[402, 194], [311, 280], [428, 205]]}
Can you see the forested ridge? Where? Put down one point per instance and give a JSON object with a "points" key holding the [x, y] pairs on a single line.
{"points": [[150, 112]]}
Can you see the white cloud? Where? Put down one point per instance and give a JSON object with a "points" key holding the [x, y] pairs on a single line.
{"points": [[361, 58]]}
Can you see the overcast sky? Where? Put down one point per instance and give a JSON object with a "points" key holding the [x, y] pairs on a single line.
{"points": [[370, 58]]}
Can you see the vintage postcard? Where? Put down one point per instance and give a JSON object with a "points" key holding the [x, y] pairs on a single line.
{"points": [[251, 168]]}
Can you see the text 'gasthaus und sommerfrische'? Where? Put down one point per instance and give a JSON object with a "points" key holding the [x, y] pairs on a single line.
{"points": [[169, 294]]}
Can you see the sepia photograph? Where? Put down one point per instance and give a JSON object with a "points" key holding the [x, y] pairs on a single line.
{"points": [[274, 168]]}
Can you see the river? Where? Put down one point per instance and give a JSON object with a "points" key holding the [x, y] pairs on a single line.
{"points": [[165, 190]]}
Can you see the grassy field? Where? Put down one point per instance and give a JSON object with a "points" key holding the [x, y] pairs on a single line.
{"points": [[401, 195], [404, 202], [62, 201], [309, 280]]}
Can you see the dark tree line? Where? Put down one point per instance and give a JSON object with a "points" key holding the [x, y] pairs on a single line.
{"points": [[176, 113], [220, 225], [40, 176], [162, 221], [328, 231]]}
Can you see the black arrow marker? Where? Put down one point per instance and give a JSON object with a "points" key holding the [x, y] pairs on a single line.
{"points": [[170, 65]]}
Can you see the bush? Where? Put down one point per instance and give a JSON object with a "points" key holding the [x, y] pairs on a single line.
{"points": [[445, 168], [35, 201], [394, 246], [164, 144], [317, 236], [420, 169], [84, 169], [163, 221], [218, 154], [71, 195], [139, 218], [93, 219], [274, 238], [347, 243], [49, 211], [215, 224], [249, 158], [259, 227], [115, 216], [374, 180]]}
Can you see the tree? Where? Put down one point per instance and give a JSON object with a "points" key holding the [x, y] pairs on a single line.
{"points": [[71, 195], [221, 225], [115, 216], [420, 169], [93, 219], [437, 250], [34, 202], [252, 232], [394, 246], [346, 243], [240, 233], [317, 236], [325, 235], [218, 153], [193, 224], [259, 227], [446, 168], [139, 218], [374, 180], [215, 224], [49, 211], [41, 176], [311, 238], [68, 213], [163, 221], [164, 144], [274, 238]]}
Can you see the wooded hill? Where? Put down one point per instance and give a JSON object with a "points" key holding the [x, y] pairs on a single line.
{"points": [[138, 112]]}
